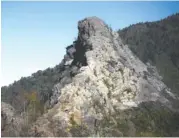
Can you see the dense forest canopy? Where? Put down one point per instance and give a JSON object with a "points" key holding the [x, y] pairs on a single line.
{"points": [[157, 43]]}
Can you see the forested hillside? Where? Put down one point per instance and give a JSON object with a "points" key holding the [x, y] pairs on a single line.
{"points": [[157, 43], [41, 83]]}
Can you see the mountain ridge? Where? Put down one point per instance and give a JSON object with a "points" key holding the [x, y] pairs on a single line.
{"points": [[103, 89]]}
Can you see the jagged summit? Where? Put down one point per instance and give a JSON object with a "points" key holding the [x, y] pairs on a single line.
{"points": [[93, 21], [91, 26], [103, 89], [104, 79]]}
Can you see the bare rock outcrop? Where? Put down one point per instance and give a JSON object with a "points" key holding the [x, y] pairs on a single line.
{"points": [[10, 123], [109, 82]]}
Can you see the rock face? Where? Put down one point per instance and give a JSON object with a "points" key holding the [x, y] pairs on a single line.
{"points": [[107, 91], [10, 122]]}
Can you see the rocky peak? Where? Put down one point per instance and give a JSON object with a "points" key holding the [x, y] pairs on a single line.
{"points": [[103, 88], [91, 26], [109, 79]]}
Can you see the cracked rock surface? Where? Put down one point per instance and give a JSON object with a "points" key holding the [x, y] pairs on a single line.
{"points": [[108, 88]]}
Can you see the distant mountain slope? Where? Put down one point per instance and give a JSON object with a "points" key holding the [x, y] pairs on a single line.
{"points": [[157, 43]]}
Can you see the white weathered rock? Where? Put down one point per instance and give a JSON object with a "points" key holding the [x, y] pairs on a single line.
{"points": [[11, 123], [113, 77]]}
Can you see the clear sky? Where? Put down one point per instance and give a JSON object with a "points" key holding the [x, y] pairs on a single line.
{"points": [[35, 34]]}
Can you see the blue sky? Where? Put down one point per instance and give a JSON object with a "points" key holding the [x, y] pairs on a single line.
{"points": [[35, 34]]}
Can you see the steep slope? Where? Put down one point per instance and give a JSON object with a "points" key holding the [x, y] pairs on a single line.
{"points": [[158, 44], [42, 83], [111, 93], [30, 97]]}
